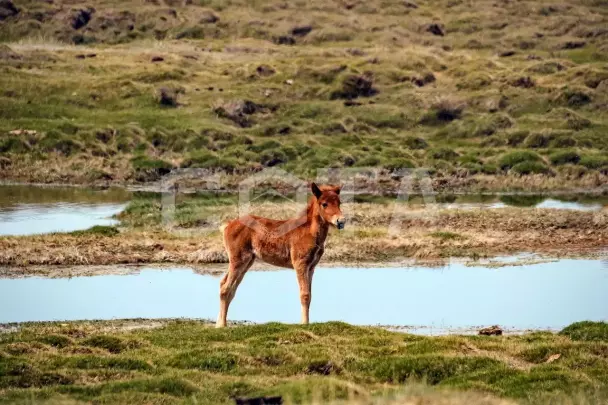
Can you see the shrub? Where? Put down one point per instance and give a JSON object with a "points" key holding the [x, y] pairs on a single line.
{"points": [[517, 137], [322, 367], [80, 39], [445, 235], [168, 96], [587, 331], [433, 368], [259, 147], [575, 97], [475, 81], [576, 122], [240, 111], [449, 109], [202, 360], [14, 145], [511, 159], [101, 230], [593, 78], [112, 344], [443, 166], [399, 163], [443, 154], [565, 157], [537, 140], [522, 200], [58, 341], [594, 161], [273, 157], [493, 141], [547, 68], [323, 75], [147, 169], [192, 33], [368, 161], [115, 363], [354, 86], [143, 162], [491, 124], [523, 81], [199, 159], [563, 142], [573, 171], [57, 142], [501, 121], [469, 159], [382, 117], [472, 168], [444, 110], [489, 168], [525, 168], [330, 35], [415, 143]]}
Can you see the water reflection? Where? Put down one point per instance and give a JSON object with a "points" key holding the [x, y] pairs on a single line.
{"points": [[26, 210]]}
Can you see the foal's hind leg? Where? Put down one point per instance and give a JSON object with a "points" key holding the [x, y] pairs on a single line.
{"points": [[236, 271]]}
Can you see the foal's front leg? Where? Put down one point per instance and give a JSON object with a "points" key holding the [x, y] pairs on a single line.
{"points": [[304, 272]]}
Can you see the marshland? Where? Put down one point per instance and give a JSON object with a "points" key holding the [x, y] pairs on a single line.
{"points": [[127, 126]]}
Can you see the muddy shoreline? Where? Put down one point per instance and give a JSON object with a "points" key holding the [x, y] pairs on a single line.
{"points": [[216, 269], [129, 325]]}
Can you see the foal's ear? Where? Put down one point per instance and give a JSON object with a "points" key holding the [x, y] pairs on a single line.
{"points": [[337, 190], [316, 190]]}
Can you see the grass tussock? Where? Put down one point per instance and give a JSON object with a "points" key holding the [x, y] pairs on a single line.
{"points": [[319, 363]]}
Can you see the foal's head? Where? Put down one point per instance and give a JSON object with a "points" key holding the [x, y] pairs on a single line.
{"points": [[328, 200]]}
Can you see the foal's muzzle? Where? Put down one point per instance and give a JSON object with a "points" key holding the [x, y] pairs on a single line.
{"points": [[340, 222]]}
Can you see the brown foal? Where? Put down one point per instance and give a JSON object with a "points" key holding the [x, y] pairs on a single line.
{"points": [[296, 243]]}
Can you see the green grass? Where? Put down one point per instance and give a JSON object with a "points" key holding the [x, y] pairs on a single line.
{"points": [[346, 94], [512, 159], [586, 331], [186, 361], [101, 230]]}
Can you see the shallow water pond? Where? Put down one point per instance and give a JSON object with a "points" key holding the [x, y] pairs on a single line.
{"points": [[27, 210], [476, 201], [547, 295]]}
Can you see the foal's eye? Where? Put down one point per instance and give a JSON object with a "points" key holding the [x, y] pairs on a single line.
{"points": [[324, 205]]}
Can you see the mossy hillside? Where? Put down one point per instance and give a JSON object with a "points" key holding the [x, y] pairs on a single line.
{"points": [[368, 85]]}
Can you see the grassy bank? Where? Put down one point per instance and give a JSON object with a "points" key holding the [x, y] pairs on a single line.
{"points": [[381, 231], [496, 96], [189, 362]]}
